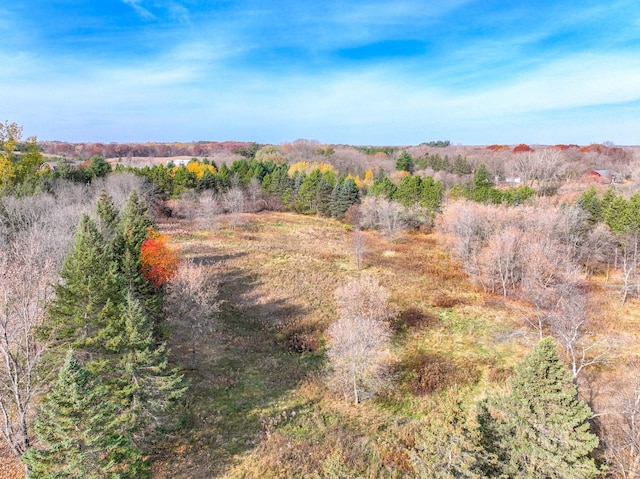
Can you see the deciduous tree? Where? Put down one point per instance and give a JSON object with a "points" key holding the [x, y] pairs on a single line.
{"points": [[359, 339]]}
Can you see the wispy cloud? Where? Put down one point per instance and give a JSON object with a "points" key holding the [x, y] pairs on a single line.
{"points": [[361, 72], [137, 6]]}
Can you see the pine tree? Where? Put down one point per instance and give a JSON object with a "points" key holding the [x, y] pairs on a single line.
{"points": [[78, 432], [344, 195], [383, 187], [405, 162], [136, 371], [432, 194], [91, 289], [132, 226], [132, 230], [307, 195], [107, 214], [615, 215], [447, 446], [591, 205], [540, 429], [324, 194], [409, 190]]}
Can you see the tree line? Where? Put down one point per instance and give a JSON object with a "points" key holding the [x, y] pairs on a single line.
{"points": [[86, 385]]}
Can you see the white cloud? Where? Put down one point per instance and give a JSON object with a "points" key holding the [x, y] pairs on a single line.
{"points": [[143, 12]]}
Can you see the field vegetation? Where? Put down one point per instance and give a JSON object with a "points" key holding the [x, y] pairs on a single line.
{"points": [[321, 311]]}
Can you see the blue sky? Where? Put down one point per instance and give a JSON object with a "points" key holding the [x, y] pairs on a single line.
{"points": [[337, 71]]}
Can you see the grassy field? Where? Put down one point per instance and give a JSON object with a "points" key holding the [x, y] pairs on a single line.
{"points": [[257, 406]]}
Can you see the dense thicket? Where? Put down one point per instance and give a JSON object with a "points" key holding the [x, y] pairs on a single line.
{"points": [[105, 312]]}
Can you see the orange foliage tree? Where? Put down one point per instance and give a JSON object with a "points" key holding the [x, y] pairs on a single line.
{"points": [[159, 261], [522, 148]]}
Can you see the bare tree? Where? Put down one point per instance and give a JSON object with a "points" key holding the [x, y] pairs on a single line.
{"points": [[629, 257], [119, 185], [544, 167], [192, 301], [359, 340], [620, 429], [468, 227], [597, 250], [209, 209], [501, 261], [234, 202], [548, 278], [383, 215], [255, 194], [570, 327], [358, 247], [25, 287]]}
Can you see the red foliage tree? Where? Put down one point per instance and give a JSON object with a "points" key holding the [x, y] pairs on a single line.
{"points": [[522, 148], [159, 261]]}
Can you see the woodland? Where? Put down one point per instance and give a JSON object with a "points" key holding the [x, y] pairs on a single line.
{"points": [[238, 310]]}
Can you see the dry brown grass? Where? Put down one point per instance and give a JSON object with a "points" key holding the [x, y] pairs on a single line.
{"points": [[259, 407]]}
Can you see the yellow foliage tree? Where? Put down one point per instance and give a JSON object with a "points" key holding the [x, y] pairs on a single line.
{"points": [[366, 181], [200, 168], [10, 134], [7, 171], [308, 166]]}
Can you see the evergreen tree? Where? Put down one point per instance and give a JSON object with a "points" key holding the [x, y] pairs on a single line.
{"points": [[208, 181], [461, 166], [383, 187], [136, 372], [409, 190], [78, 432], [481, 187], [307, 195], [91, 289], [540, 429], [447, 446], [279, 183], [432, 194], [345, 194], [324, 195], [607, 198], [98, 167], [224, 177], [405, 162], [616, 215], [107, 214], [132, 230], [591, 205]]}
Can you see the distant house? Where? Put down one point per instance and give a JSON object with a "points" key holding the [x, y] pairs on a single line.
{"points": [[513, 179], [603, 176], [181, 162]]}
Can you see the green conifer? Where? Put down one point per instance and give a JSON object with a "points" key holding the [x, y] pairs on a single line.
{"points": [[447, 445], [107, 214], [78, 432], [91, 288], [137, 372], [132, 230], [541, 428]]}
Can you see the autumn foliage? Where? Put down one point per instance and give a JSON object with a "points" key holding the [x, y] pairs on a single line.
{"points": [[497, 147], [522, 148], [159, 261]]}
